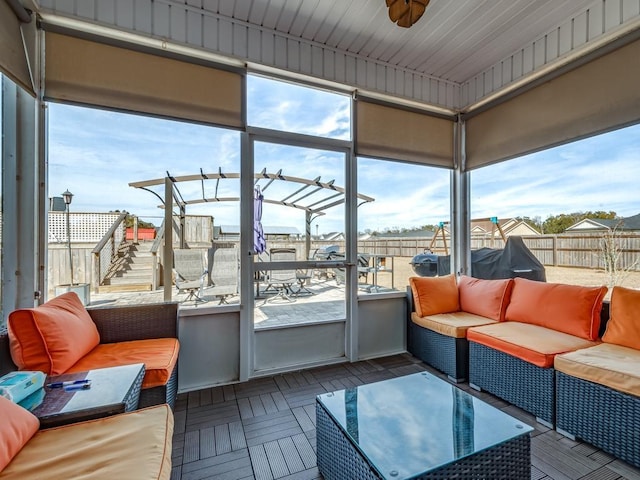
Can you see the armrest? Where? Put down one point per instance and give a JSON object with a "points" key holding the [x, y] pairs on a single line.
{"points": [[136, 322], [6, 364]]}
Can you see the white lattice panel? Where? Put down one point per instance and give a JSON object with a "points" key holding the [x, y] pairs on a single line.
{"points": [[84, 227]]}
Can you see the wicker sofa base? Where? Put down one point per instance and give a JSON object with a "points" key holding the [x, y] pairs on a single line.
{"points": [[162, 394], [338, 458], [606, 418], [447, 354], [521, 383]]}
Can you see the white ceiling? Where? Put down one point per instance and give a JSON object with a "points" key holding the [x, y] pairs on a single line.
{"points": [[454, 40]]}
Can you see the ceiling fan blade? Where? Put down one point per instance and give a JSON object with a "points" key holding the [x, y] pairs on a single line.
{"points": [[417, 8], [397, 9], [406, 12]]}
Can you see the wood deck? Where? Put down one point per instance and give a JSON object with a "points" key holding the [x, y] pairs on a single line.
{"points": [[265, 429]]}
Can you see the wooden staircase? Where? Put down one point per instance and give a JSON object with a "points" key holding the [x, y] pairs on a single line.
{"points": [[133, 271]]}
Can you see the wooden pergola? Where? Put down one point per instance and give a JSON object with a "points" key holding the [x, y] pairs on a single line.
{"points": [[313, 196]]}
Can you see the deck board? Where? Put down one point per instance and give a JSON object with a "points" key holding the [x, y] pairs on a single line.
{"points": [[264, 429]]}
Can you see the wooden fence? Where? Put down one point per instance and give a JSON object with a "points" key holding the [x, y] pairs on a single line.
{"points": [[565, 250]]}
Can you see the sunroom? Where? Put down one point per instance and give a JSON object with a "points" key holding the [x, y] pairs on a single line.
{"points": [[314, 108]]}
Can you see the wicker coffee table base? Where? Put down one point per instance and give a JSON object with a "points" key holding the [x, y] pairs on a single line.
{"points": [[338, 458]]}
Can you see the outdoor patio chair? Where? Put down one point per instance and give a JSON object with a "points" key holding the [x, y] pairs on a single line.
{"points": [[282, 280], [190, 272], [303, 276], [224, 273]]}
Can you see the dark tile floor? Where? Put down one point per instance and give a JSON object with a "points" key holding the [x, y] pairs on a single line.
{"points": [[265, 429]]}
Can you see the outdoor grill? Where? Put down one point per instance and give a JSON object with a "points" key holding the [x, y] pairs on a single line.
{"points": [[425, 264]]}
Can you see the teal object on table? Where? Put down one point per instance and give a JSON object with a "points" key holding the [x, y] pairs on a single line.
{"points": [[33, 401], [17, 386]]}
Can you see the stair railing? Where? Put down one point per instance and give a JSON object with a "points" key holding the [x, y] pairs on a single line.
{"points": [[156, 260], [106, 251]]}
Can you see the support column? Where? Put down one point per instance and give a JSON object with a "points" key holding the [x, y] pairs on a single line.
{"points": [[20, 262], [460, 206], [167, 250], [247, 337]]}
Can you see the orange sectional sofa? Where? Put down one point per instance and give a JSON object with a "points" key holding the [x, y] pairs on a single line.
{"points": [[514, 359], [598, 388], [61, 336], [444, 310], [509, 344], [131, 445]]}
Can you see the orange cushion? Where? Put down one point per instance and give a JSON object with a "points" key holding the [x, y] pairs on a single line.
{"points": [[133, 445], [487, 298], [567, 308], [18, 426], [159, 356], [454, 324], [53, 336], [433, 295], [623, 327], [531, 343], [607, 364]]}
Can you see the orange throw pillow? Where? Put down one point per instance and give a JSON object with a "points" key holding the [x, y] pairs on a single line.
{"points": [[434, 295], [566, 308], [18, 426], [623, 327], [52, 337], [487, 298]]}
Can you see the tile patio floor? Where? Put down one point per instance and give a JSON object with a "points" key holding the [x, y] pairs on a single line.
{"points": [[265, 429]]}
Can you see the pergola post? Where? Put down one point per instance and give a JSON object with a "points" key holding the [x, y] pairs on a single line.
{"points": [[183, 214], [307, 233], [168, 239]]}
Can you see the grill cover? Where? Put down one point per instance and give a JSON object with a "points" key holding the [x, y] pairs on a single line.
{"points": [[515, 260]]}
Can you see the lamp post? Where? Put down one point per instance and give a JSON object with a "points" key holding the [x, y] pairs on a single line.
{"points": [[68, 196]]}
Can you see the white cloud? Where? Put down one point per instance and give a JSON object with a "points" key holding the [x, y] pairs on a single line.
{"points": [[96, 153]]}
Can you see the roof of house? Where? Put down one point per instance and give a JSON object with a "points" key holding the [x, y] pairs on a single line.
{"points": [[267, 229], [485, 226], [625, 223], [405, 234]]}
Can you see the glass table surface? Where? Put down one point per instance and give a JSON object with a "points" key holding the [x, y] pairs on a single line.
{"points": [[410, 425], [109, 389]]}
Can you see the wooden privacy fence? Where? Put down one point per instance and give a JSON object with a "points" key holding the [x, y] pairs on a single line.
{"points": [[564, 250]]}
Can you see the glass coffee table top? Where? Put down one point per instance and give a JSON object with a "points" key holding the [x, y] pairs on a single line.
{"points": [[411, 425], [108, 393]]}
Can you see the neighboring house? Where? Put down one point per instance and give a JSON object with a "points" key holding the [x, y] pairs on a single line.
{"points": [[406, 234], [627, 224], [231, 233], [485, 228], [331, 237]]}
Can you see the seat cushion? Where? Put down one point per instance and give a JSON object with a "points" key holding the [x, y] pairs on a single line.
{"points": [[434, 295], [531, 343], [566, 308], [159, 356], [606, 364], [52, 337], [451, 324], [623, 327], [487, 298], [18, 426], [131, 445]]}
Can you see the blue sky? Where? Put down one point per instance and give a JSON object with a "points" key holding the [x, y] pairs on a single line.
{"points": [[96, 153]]}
